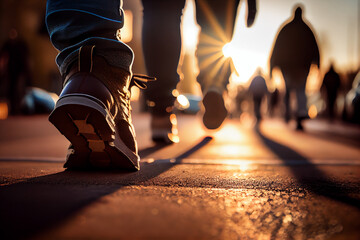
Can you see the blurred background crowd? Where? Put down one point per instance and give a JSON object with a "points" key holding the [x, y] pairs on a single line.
{"points": [[30, 81]]}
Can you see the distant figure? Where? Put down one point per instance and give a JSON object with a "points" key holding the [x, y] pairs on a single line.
{"points": [[331, 84], [274, 102], [14, 71], [258, 91], [294, 51]]}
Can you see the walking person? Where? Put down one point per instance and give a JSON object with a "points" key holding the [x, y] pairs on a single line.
{"points": [[162, 44], [294, 51], [331, 84], [258, 91]]}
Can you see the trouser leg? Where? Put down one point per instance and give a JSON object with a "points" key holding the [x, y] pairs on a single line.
{"points": [[331, 106], [93, 111], [257, 106], [301, 102], [216, 19], [72, 24], [161, 41], [295, 80], [287, 104]]}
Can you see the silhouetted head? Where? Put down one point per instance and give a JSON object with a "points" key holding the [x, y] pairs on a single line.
{"points": [[259, 71], [331, 68], [298, 12]]}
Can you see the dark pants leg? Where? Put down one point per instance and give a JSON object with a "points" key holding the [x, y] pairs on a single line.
{"points": [[287, 104], [295, 80], [216, 19], [257, 105], [331, 105], [161, 40]]}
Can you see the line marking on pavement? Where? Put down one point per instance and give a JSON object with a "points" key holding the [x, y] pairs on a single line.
{"points": [[241, 162], [208, 161], [33, 159]]}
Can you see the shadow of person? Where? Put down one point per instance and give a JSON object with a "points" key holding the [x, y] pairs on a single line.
{"points": [[337, 137], [309, 175], [37, 204]]}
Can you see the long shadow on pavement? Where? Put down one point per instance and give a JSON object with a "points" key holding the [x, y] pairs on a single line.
{"points": [[309, 175], [338, 138], [31, 207]]}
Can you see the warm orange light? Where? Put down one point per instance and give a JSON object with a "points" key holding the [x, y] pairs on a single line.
{"points": [[240, 165], [230, 133], [190, 29], [4, 111], [127, 30], [175, 93], [313, 82], [135, 94], [312, 111], [277, 80]]}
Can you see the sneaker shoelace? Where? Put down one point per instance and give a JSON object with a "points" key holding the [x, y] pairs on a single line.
{"points": [[138, 80]]}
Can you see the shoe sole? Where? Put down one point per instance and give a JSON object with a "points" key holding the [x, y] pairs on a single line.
{"points": [[91, 130], [215, 111]]}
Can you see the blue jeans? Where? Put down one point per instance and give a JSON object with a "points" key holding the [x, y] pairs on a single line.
{"points": [[72, 24]]}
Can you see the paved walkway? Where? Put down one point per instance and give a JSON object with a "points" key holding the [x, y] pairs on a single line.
{"points": [[241, 182]]}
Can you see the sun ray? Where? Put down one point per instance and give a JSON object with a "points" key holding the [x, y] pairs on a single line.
{"points": [[211, 59], [213, 21], [208, 50], [219, 64], [207, 39]]}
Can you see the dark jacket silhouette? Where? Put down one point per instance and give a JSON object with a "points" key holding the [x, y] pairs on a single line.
{"points": [[331, 83], [295, 47], [294, 51]]}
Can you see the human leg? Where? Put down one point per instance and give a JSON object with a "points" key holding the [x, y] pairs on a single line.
{"points": [[301, 100], [93, 111], [287, 104], [161, 40], [295, 80], [257, 105], [216, 19]]}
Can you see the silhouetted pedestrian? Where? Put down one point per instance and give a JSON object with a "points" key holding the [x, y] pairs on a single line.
{"points": [[258, 91], [331, 84], [294, 51], [274, 101]]}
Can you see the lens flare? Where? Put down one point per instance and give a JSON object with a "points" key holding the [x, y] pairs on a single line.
{"points": [[183, 102], [227, 50]]}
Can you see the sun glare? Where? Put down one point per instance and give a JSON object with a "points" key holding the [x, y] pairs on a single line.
{"points": [[190, 30], [227, 50]]}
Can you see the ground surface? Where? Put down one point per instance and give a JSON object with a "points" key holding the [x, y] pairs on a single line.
{"points": [[241, 182]]}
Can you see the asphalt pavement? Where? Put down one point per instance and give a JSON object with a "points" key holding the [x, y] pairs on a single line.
{"points": [[244, 181]]}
